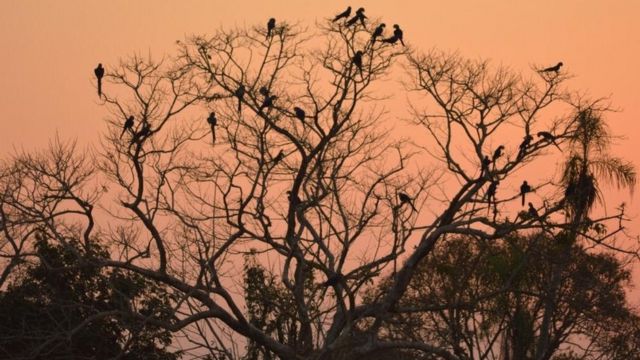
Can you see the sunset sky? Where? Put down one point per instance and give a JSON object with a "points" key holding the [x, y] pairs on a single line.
{"points": [[49, 50]]}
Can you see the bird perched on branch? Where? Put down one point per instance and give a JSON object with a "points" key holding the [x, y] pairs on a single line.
{"points": [[497, 153], [523, 147], [405, 199], [377, 32], [486, 162], [555, 68], [128, 125], [99, 72], [533, 212], [333, 280], [271, 24], [141, 134], [343, 15], [300, 114], [268, 102], [359, 16], [213, 121], [278, 157], [397, 36], [239, 93], [491, 193], [547, 136], [357, 60], [524, 189]]}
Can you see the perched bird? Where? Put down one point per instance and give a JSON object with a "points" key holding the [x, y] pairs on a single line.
{"points": [[548, 137], [278, 157], [128, 125], [359, 16], [497, 153], [239, 93], [300, 114], [271, 24], [397, 33], [144, 132], [397, 36], [99, 71], [377, 32], [533, 212], [405, 199], [484, 170], [343, 15], [357, 60], [333, 280], [554, 68], [524, 189], [523, 147], [268, 102], [213, 121], [491, 192], [264, 91]]}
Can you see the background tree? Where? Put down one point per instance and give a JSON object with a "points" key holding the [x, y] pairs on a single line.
{"points": [[64, 307]]}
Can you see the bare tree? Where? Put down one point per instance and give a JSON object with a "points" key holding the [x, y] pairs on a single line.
{"points": [[306, 173]]}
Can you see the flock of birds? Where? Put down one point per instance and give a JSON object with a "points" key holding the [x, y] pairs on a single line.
{"points": [[268, 102]]}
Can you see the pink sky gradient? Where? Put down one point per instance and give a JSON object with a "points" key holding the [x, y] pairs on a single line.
{"points": [[49, 50]]}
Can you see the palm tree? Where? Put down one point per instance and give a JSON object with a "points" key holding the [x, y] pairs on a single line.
{"points": [[589, 163]]}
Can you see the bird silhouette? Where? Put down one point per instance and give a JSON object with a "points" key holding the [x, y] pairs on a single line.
{"points": [[300, 114], [555, 68], [239, 93], [359, 16], [405, 199], [99, 71], [524, 189], [271, 24], [397, 33], [497, 153], [268, 102], [486, 162], [140, 135], [128, 125], [333, 280], [377, 32], [213, 121], [397, 36], [278, 157], [343, 15], [523, 146], [357, 60], [533, 212], [547, 136], [491, 193]]}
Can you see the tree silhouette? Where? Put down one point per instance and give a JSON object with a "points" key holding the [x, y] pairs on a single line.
{"points": [[314, 204], [63, 308]]}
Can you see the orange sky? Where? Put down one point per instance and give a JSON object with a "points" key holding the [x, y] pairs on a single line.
{"points": [[49, 50]]}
